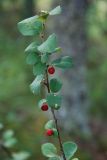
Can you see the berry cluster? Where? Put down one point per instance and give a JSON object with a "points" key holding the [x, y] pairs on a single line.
{"points": [[51, 70], [44, 107]]}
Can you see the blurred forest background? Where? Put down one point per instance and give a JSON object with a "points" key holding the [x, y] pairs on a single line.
{"points": [[82, 33]]}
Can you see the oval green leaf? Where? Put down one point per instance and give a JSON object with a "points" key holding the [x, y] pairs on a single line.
{"points": [[53, 100], [30, 26], [8, 134], [32, 58], [64, 62], [44, 58], [69, 149], [10, 142], [39, 68], [55, 85], [49, 46], [21, 155], [36, 84], [50, 124], [49, 150], [32, 47]]}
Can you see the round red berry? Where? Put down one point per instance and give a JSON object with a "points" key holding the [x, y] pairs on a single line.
{"points": [[51, 70], [49, 132], [44, 107]]}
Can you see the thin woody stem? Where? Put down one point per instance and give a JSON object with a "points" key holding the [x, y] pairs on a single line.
{"points": [[56, 121], [52, 110]]}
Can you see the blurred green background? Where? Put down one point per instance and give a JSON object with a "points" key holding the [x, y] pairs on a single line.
{"points": [[18, 107]]}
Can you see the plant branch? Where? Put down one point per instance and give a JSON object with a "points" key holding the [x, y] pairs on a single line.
{"points": [[56, 121], [52, 110]]}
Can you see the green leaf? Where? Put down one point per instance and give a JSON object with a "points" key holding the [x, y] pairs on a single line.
{"points": [[55, 132], [49, 46], [69, 149], [53, 100], [55, 85], [44, 58], [55, 11], [21, 156], [32, 47], [30, 26], [49, 150], [10, 142], [8, 134], [41, 102], [39, 68], [50, 124], [55, 158], [75, 159], [64, 62], [35, 86], [32, 58]]}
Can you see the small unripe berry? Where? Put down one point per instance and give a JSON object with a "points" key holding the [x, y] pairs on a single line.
{"points": [[51, 70], [49, 132], [44, 107]]}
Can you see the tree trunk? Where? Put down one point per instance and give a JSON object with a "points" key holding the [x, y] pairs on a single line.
{"points": [[71, 30]]}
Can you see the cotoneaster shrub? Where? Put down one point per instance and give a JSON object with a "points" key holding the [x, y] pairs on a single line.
{"points": [[39, 55]]}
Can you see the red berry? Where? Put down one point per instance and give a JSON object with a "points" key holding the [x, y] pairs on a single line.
{"points": [[51, 70], [44, 107], [49, 132]]}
